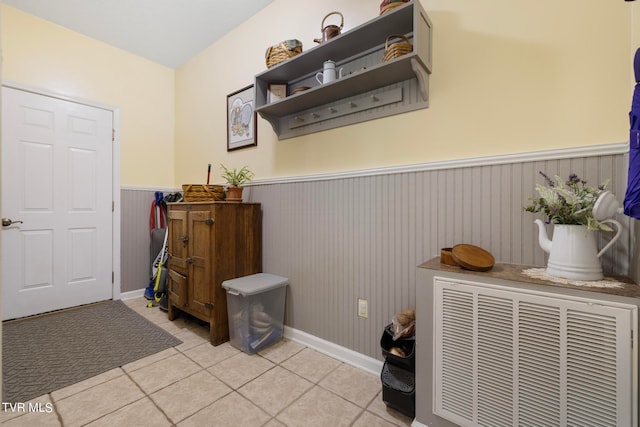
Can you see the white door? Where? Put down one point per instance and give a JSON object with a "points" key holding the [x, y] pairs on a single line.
{"points": [[57, 180]]}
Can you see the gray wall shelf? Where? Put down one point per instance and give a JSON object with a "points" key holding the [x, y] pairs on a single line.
{"points": [[366, 79]]}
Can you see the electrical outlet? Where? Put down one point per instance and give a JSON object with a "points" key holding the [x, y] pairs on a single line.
{"points": [[363, 308]]}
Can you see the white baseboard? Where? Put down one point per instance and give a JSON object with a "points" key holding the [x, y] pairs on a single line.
{"points": [[417, 424], [343, 354], [132, 294], [359, 360]]}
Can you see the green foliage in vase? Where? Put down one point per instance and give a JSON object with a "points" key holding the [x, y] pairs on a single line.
{"points": [[568, 202]]}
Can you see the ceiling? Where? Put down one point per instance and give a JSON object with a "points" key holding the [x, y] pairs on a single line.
{"points": [[168, 32]]}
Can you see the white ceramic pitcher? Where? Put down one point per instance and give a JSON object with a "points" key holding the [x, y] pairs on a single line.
{"points": [[328, 73], [573, 253]]}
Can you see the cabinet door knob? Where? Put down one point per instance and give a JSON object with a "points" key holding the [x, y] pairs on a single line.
{"points": [[208, 221], [184, 239], [189, 260]]}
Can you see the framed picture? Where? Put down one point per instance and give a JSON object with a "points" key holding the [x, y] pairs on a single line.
{"points": [[276, 92], [241, 119]]}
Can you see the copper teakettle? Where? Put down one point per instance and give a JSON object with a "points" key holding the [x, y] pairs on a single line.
{"points": [[330, 31]]}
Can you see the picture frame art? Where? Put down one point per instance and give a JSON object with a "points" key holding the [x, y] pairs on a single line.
{"points": [[241, 119]]}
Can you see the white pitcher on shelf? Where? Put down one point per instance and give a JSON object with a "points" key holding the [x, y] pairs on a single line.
{"points": [[328, 73]]}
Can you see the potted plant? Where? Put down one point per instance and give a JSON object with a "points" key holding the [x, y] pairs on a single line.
{"points": [[568, 202], [235, 179], [569, 206]]}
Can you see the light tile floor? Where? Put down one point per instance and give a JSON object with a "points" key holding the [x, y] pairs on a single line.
{"points": [[197, 384]]}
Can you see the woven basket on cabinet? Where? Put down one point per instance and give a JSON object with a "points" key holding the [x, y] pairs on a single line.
{"points": [[202, 193]]}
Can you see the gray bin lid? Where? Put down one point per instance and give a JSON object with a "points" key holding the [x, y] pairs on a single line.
{"points": [[254, 284]]}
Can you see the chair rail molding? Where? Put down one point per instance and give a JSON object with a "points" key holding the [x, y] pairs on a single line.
{"points": [[531, 156]]}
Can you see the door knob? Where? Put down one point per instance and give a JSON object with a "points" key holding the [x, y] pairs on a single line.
{"points": [[8, 221]]}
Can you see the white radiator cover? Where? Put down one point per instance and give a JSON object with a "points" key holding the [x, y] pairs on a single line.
{"points": [[526, 358]]}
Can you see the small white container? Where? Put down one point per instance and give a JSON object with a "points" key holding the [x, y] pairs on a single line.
{"points": [[255, 307]]}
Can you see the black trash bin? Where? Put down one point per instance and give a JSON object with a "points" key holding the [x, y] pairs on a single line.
{"points": [[399, 389], [398, 373]]}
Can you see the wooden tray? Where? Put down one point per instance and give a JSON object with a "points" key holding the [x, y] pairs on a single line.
{"points": [[472, 257]]}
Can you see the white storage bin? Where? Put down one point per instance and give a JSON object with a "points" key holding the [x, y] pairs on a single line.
{"points": [[255, 306]]}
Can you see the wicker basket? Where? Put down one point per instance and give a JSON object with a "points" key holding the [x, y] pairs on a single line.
{"points": [[202, 193], [385, 6], [396, 49], [283, 51]]}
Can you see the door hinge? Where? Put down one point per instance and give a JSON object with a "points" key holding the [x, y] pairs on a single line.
{"points": [[113, 277], [113, 206], [113, 135]]}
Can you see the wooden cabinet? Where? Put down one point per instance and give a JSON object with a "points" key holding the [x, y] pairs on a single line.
{"points": [[210, 242], [370, 87]]}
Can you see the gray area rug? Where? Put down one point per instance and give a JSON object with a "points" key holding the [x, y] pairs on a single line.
{"points": [[46, 353]]}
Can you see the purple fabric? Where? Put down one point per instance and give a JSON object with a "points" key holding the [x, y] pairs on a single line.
{"points": [[632, 197]]}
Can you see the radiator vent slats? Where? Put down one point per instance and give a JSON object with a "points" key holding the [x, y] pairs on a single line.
{"points": [[495, 360], [591, 368], [457, 390], [539, 363], [505, 357]]}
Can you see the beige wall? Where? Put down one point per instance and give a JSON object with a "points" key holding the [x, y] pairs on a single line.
{"points": [[507, 77], [635, 26], [44, 55]]}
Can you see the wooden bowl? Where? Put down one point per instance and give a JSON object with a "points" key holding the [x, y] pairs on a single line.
{"points": [[472, 257], [446, 258], [300, 89]]}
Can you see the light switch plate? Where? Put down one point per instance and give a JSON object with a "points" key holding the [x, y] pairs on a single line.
{"points": [[363, 308]]}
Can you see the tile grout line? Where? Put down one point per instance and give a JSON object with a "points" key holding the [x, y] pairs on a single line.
{"points": [[169, 385], [55, 408], [363, 408], [233, 389], [279, 364], [315, 384]]}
